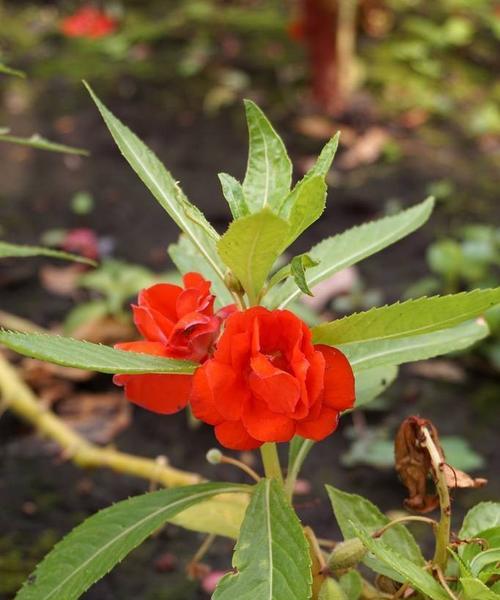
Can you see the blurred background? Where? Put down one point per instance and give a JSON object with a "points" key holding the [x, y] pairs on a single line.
{"points": [[413, 87]]}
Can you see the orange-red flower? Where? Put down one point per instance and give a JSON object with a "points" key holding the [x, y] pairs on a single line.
{"points": [[267, 382], [178, 323], [88, 22]]}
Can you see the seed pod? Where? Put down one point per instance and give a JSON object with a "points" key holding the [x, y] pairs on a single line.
{"points": [[347, 554], [331, 590]]}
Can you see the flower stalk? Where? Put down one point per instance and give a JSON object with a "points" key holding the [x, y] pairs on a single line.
{"points": [[271, 462]]}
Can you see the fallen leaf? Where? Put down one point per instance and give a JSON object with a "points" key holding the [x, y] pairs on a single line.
{"points": [[365, 150], [62, 281]]}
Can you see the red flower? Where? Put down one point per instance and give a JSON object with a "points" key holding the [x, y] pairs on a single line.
{"points": [[88, 22], [178, 323], [267, 382]]}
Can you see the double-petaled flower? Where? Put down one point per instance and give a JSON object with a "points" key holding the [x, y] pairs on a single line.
{"points": [[260, 380]]}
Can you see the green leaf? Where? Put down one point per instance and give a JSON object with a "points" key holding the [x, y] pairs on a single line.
{"points": [[352, 509], [164, 188], [320, 168], [413, 317], [83, 313], [40, 143], [307, 208], [346, 249], [332, 590], [233, 193], [222, 515], [8, 250], [370, 383], [91, 357], [250, 246], [269, 170], [93, 548], [409, 570], [484, 559], [6, 70], [491, 536], [272, 555], [298, 266], [186, 258], [476, 590], [364, 355], [484, 515], [352, 584]]}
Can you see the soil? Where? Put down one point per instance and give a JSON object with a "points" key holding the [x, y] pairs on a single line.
{"points": [[44, 497]]}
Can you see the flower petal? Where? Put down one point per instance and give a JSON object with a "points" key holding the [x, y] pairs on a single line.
{"points": [[319, 428], [279, 390], [338, 390], [265, 425], [233, 435]]}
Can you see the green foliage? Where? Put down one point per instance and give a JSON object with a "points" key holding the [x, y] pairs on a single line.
{"points": [[308, 205], [6, 70], [164, 188], [272, 554], [233, 193], [352, 585], [340, 251], [370, 383], [92, 357], [475, 589], [104, 539], [8, 250], [269, 170], [394, 559], [250, 247], [480, 517], [40, 143], [352, 510], [410, 318]]}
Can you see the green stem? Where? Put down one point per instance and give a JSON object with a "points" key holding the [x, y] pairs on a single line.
{"points": [[271, 462], [444, 526]]}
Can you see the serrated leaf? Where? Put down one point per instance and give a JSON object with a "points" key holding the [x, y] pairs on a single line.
{"points": [[413, 317], [69, 352], [370, 383], [346, 249], [269, 170], [103, 540], [233, 193], [272, 555], [320, 168], [352, 509], [163, 187], [475, 589], [364, 355], [298, 266], [409, 571], [186, 258], [40, 143], [484, 515], [250, 247], [309, 204], [8, 250]]}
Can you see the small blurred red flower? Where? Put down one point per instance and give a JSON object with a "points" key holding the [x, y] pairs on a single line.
{"points": [[88, 22], [267, 382], [176, 322], [83, 241]]}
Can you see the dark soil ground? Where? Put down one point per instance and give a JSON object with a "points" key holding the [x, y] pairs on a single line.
{"points": [[41, 497]]}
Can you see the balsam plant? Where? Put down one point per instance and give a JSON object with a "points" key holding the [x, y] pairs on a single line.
{"points": [[225, 344]]}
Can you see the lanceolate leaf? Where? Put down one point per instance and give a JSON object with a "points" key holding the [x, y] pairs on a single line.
{"points": [[414, 317], [38, 142], [364, 355], [298, 266], [269, 169], [91, 357], [103, 540], [480, 517], [320, 168], [351, 510], [307, 208], [271, 555], [164, 188], [408, 570], [233, 193], [8, 250], [186, 258], [475, 589], [250, 246], [340, 251]]}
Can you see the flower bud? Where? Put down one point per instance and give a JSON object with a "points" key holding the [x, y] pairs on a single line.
{"points": [[331, 590], [233, 284], [347, 554], [214, 456]]}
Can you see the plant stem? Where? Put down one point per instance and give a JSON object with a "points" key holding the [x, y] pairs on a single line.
{"points": [[443, 529], [380, 532], [242, 466], [271, 462]]}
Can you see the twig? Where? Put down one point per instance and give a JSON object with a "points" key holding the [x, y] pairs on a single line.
{"points": [[444, 583]]}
